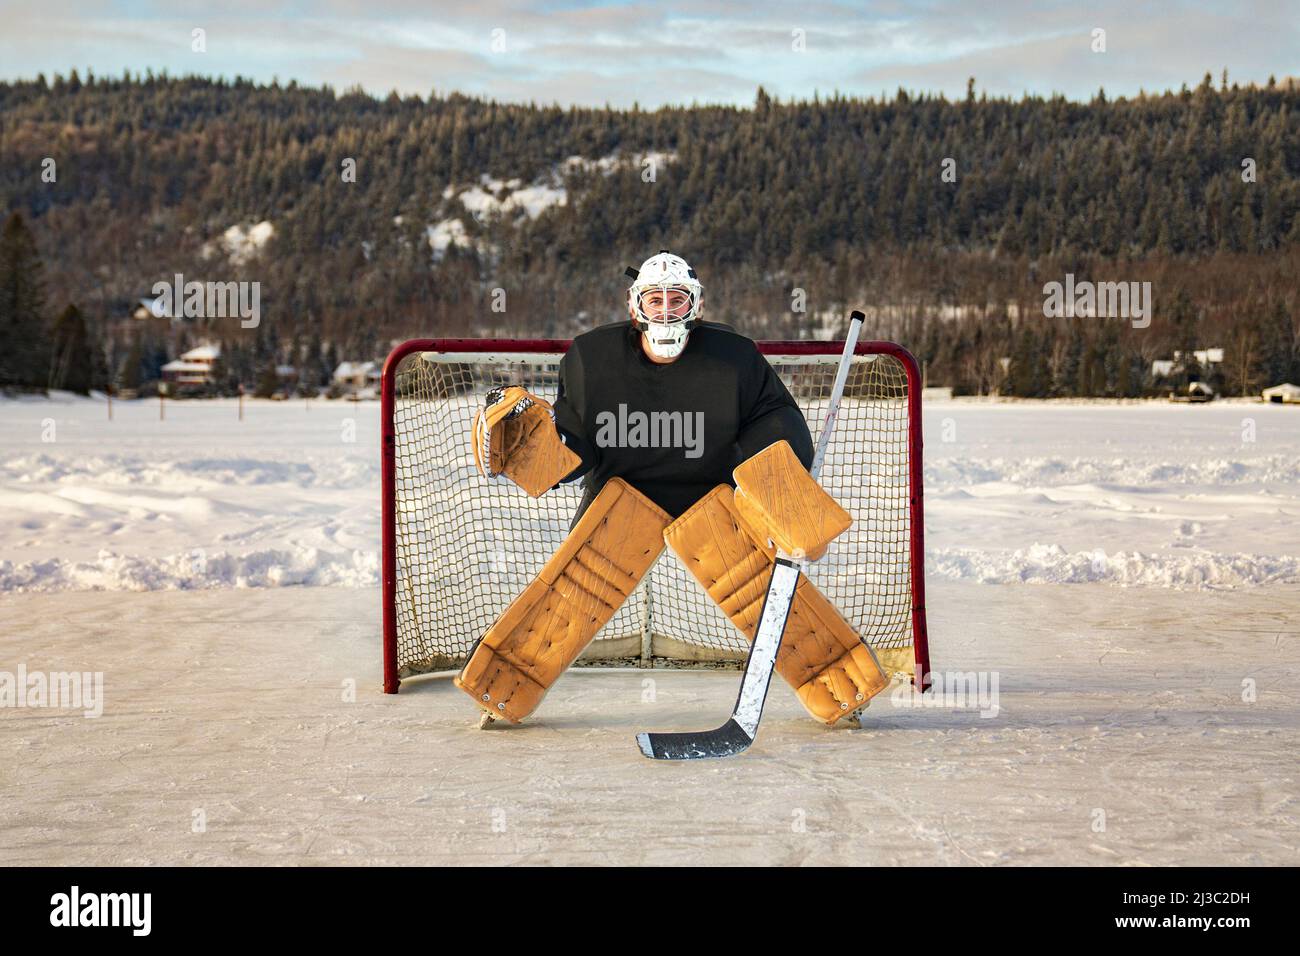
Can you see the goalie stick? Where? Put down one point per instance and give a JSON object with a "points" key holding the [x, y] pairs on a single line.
{"points": [[739, 731]]}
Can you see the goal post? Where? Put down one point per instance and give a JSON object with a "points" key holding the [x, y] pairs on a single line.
{"points": [[458, 548]]}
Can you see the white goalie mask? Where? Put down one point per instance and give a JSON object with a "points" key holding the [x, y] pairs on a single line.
{"points": [[665, 301]]}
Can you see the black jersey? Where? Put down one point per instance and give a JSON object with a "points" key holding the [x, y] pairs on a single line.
{"points": [[677, 430]]}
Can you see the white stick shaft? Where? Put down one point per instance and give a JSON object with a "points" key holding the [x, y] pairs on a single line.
{"points": [[767, 639], [837, 392]]}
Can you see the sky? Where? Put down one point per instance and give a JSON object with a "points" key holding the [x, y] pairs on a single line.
{"points": [[590, 53]]}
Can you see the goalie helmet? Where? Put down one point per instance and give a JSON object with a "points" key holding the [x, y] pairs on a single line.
{"points": [[665, 320]]}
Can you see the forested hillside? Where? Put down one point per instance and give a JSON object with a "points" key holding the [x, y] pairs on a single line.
{"points": [[391, 218]]}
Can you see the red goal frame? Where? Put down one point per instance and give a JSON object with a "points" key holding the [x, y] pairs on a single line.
{"points": [[920, 635]]}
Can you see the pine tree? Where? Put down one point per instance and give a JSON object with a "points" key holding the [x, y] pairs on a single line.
{"points": [[268, 381], [223, 380], [331, 363], [101, 380], [1280, 363], [1023, 380], [131, 374], [71, 361], [1067, 380], [24, 341], [1125, 384]]}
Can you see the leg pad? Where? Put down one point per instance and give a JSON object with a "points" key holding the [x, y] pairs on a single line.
{"points": [[821, 657], [578, 590]]}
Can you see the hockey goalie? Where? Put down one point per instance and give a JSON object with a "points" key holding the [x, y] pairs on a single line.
{"points": [[683, 436]]}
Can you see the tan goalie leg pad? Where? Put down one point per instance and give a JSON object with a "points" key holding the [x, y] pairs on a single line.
{"points": [[578, 590], [821, 655], [827, 664]]}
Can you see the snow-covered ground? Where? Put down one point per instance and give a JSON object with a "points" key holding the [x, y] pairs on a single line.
{"points": [[1146, 708], [199, 498], [1148, 494]]}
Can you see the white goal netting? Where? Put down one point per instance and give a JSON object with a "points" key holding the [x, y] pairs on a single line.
{"points": [[465, 546]]}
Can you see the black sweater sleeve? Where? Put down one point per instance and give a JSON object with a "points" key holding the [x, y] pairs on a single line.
{"points": [[768, 414], [570, 414]]}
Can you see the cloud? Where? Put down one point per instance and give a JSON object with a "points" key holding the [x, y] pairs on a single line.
{"points": [[589, 53]]}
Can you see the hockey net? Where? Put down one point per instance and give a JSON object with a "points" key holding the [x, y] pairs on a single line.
{"points": [[459, 548]]}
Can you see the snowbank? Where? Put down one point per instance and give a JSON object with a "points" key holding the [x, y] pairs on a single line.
{"points": [[1142, 495], [194, 570]]}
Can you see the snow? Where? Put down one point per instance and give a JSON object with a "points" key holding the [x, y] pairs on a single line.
{"points": [[1139, 494], [442, 234], [492, 197], [609, 163], [497, 197], [178, 365], [241, 243], [478, 203], [1123, 574], [196, 500], [532, 200], [1135, 494]]}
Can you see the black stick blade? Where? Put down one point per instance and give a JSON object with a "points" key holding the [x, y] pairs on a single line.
{"points": [[727, 741]]}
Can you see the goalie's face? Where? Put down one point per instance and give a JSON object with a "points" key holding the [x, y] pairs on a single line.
{"points": [[665, 305], [661, 313]]}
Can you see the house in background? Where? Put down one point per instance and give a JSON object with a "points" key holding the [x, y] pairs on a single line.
{"points": [[1284, 394], [357, 379], [150, 307], [193, 370], [1195, 392]]}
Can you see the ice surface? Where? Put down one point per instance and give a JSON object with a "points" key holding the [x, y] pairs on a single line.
{"points": [[1121, 736], [1154, 723]]}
